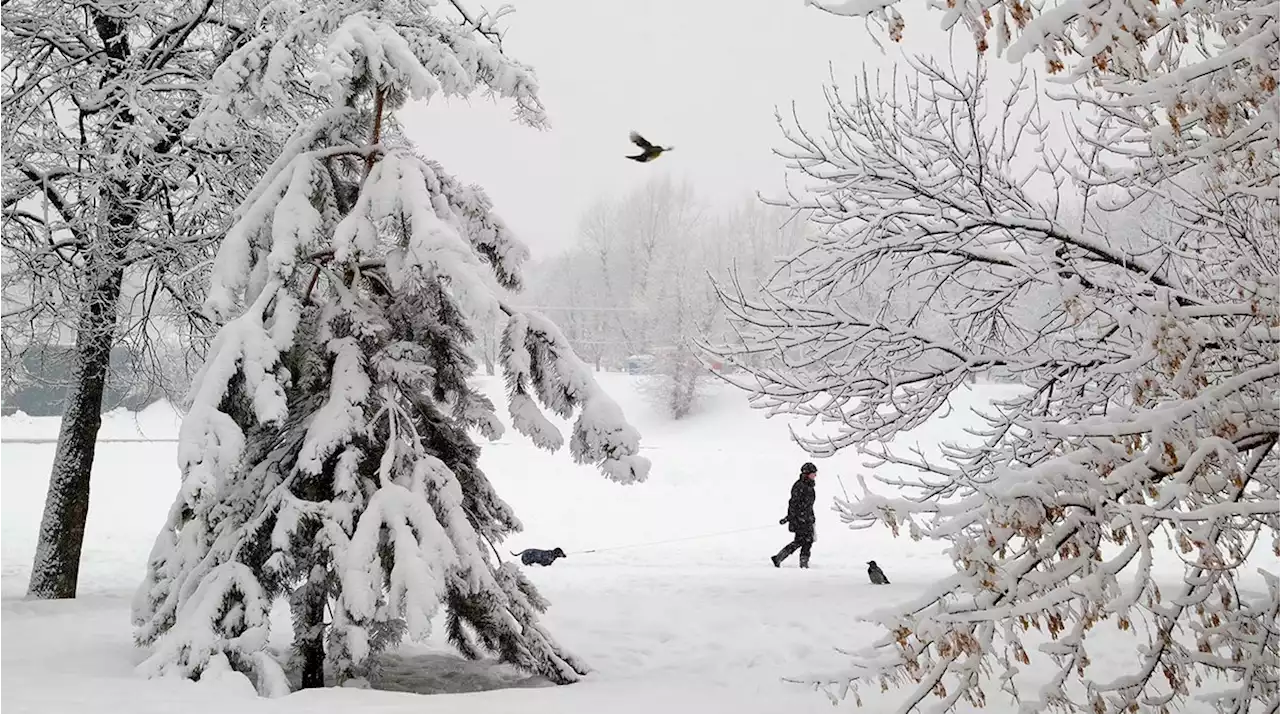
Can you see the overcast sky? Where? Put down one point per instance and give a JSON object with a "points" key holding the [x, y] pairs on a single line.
{"points": [[702, 75]]}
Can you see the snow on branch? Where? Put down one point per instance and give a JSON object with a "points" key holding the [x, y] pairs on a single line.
{"points": [[487, 232], [1185, 84], [538, 361], [919, 183], [415, 583], [305, 53], [257, 248], [228, 613], [247, 348], [403, 188]]}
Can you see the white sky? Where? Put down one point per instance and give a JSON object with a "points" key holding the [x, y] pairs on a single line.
{"points": [[702, 75]]}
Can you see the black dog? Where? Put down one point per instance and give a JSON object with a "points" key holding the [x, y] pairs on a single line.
{"points": [[876, 574], [534, 556]]}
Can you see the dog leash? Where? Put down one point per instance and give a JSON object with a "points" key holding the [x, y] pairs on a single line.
{"points": [[672, 540]]}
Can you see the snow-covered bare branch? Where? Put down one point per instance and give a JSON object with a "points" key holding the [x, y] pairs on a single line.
{"points": [[1147, 415]]}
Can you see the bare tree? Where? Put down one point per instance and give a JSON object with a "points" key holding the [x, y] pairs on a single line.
{"points": [[610, 285], [108, 208], [637, 282], [669, 222], [1151, 360], [1152, 381]]}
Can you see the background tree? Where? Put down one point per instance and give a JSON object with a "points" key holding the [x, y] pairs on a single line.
{"points": [[637, 281], [665, 228], [109, 211], [1150, 359], [326, 457]]}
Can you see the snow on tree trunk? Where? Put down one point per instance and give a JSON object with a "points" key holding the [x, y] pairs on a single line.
{"points": [[56, 569], [325, 455]]}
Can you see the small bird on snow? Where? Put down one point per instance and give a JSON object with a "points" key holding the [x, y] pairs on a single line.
{"points": [[876, 574], [648, 151]]}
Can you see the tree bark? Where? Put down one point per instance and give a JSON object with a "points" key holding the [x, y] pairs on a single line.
{"points": [[309, 633], [56, 570], [55, 573]]}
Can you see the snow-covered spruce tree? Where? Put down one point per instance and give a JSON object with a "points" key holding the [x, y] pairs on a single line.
{"points": [[1146, 431], [326, 458]]}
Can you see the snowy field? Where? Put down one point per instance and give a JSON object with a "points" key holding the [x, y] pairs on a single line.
{"points": [[702, 625]]}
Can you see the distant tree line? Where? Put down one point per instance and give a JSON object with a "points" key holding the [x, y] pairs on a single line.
{"points": [[634, 290]]}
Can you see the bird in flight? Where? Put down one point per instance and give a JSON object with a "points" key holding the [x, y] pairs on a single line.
{"points": [[648, 152]]}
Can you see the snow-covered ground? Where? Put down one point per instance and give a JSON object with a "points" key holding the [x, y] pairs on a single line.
{"points": [[703, 624]]}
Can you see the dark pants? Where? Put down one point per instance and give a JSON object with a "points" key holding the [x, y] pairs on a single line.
{"points": [[803, 543]]}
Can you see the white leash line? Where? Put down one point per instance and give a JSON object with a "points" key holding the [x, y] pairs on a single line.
{"points": [[673, 540]]}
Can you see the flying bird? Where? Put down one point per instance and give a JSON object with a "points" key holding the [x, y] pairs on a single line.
{"points": [[648, 151]]}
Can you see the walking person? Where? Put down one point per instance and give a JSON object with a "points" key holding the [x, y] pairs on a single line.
{"points": [[800, 519]]}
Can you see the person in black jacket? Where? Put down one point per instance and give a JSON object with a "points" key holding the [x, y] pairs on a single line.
{"points": [[800, 519]]}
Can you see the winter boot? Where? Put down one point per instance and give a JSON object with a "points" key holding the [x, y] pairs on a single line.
{"points": [[783, 554], [804, 563]]}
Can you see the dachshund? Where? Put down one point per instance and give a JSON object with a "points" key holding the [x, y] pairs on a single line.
{"points": [[535, 556]]}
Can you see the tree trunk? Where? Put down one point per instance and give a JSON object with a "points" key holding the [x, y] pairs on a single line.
{"points": [[490, 349], [309, 634], [56, 569]]}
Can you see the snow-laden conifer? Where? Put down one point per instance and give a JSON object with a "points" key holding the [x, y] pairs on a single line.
{"points": [[326, 458]]}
